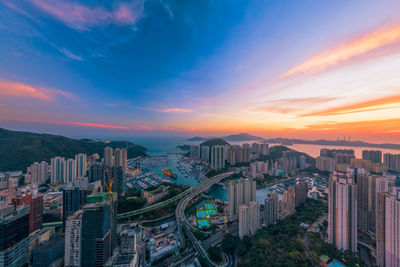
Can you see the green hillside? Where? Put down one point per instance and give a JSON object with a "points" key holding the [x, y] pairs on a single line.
{"points": [[215, 142], [18, 150]]}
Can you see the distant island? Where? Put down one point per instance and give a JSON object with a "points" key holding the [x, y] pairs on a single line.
{"points": [[243, 137], [18, 150]]}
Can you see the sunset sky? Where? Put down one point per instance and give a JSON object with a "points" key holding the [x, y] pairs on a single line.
{"points": [[304, 69]]}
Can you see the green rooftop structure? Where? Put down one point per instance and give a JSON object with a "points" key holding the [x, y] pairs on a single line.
{"points": [[96, 197]]}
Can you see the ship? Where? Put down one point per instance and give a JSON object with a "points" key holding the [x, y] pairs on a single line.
{"points": [[168, 172]]}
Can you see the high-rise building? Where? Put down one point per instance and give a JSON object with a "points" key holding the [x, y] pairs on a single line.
{"points": [[387, 230], [96, 172], [108, 156], [194, 151], [325, 163], [289, 201], [73, 200], [73, 240], [81, 165], [217, 158], [271, 209], [57, 170], [69, 171], [39, 172], [342, 218], [14, 235], [241, 192], [232, 199], [35, 209], [340, 155], [117, 175], [244, 223], [98, 229], [205, 152], [300, 193], [302, 162], [254, 222], [375, 156], [120, 158], [365, 201], [392, 161]]}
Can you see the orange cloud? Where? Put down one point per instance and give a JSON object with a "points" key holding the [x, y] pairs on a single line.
{"points": [[16, 89], [290, 105], [356, 48], [85, 124], [370, 105]]}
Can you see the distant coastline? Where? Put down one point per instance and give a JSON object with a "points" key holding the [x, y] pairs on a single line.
{"points": [[287, 141]]}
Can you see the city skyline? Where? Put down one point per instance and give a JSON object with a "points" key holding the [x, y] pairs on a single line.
{"points": [[136, 68]]}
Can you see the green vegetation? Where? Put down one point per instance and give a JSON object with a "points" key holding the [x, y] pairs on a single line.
{"points": [[320, 247], [199, 235], [268, 179], [130, 200], [18, 150], [280, 244], [215, 142], [215, 254]]}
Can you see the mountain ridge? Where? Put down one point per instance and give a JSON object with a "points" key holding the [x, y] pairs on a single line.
{"points": [[19, 150]]}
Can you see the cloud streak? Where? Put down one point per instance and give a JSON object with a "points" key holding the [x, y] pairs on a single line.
{"points": [[364, 106], [83, 124], [292, 105], [351, 50], [82, 18], [176, 110], [16, 89]]}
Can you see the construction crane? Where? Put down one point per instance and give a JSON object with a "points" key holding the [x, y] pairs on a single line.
{"points": [[108, 184]]}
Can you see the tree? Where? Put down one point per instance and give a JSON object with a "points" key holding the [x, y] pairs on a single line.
{"points": [[215, 254]]}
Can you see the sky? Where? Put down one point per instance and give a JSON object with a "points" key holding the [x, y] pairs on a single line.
{"points": [[298, 69]]}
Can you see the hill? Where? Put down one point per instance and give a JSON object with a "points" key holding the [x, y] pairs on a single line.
{"points": [[215, 142], [242, 137], [276, 152], [197, 138], [18, 150]]}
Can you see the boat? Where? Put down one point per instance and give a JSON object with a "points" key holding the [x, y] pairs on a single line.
{"points": [[169, 173]]}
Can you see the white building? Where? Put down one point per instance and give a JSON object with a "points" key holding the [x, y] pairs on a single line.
{"points": [[342, 219], [244, 217], [73, 236], [217, 158], [81, 165], [57, 170], [108, 156]]}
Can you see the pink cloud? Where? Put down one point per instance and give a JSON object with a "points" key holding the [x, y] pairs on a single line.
{"points": [[171, 110], [84, 124], [16, 89], [81, 17]]}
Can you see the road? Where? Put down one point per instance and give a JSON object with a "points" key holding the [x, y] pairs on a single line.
{"points": [[182, 221]]}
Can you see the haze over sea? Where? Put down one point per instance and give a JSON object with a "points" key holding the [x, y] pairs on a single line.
{"points": [[160, 145]]}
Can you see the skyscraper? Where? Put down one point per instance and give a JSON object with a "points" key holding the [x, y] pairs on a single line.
{"points": [[57, 170], [69, 170], [205, 152], [73, 200], [342, 218], [35, 209], [232, 199], [120, 158], [289, 201], [244, 217], [366, 200], [14, 235], [98, 229], [375, 156], [81, 165], [254, 221], [217, 158], [39, 172], [392, 161], [108, 156], [73, 239], [300, 193], [387, 230], [271, 209]]}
